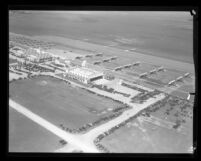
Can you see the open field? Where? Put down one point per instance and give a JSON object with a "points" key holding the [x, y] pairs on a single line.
{"points": [[179, 94], [27, 136], [157, 39], [141, 30], [188, 88], [150, 139], [156, 132], [59, 103], [166, 76], [63, 53], [142, 68]]}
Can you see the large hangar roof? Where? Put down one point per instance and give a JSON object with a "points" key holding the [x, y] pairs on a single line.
{"points": [[86, 72]]}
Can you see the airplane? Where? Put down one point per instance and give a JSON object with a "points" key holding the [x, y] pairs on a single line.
{"points": [[153, 71], [143, 75], [187, 75], [160, 69], [78, 57], [88, 56], [136, 63], [113, 58], [119, 68], [96, 63], [127, 66], [173, 82], [179, 79], [133, 49], [99, 54], [106, 60]]}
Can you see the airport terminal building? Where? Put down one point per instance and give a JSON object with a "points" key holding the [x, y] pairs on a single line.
{"points": [[84, 75]]}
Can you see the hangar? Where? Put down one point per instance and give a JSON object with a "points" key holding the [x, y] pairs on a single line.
{"points": [[83, 74]]}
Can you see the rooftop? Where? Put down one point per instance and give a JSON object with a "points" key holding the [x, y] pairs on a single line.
{"points": [[85, 71]]}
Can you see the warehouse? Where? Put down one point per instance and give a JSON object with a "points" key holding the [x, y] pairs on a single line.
{"points": [[83, 74]]}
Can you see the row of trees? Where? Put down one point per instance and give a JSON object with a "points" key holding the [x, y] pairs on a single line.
{"points": [[142, 97], [88, 126], [156, 106], [124, 94], [110, 90], [110, 131], [36, 68], [134, 87], [102, 148]]}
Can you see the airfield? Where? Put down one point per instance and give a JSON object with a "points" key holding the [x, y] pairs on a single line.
{"points": [[27, 136], [154, 131], [74, 105]]}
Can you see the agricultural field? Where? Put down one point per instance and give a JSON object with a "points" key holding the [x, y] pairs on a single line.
{"points": [[58, 102], [27, 136], [165, 130]]}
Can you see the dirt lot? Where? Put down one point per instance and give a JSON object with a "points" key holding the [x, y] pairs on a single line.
{"points": [[57, 102], [27, 136]]}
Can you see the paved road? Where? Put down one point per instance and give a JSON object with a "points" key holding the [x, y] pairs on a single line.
{"points": [[70, 138], [83, 142]]}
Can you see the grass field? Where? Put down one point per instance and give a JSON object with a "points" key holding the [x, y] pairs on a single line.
{"points": [[147, 138], [167, 76], [59, 103], [179, 94], [143, 67], [27, 136], [188, 88], [155, 136]]}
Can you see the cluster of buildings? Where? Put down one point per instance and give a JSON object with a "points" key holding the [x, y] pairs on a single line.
{"points": [[31, 54], [36, 55]]}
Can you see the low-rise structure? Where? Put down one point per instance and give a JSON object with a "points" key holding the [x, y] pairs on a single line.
{"points": [[83, 74]]}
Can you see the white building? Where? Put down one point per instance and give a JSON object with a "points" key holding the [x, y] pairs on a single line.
{"points": [[83, 74]]}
